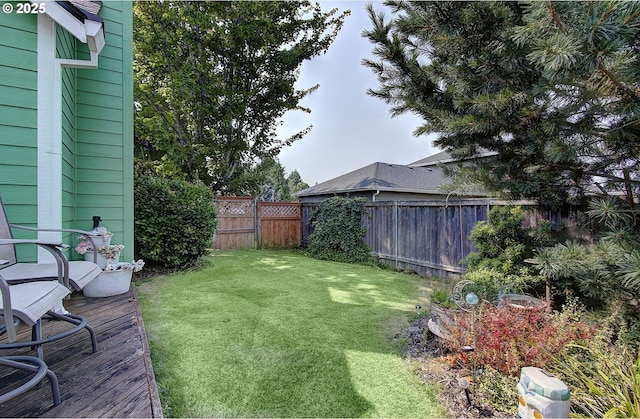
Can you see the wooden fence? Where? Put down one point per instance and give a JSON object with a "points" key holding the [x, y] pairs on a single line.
{"points": [[236, 223], [246, 223], [429, 237], [279, 224]]}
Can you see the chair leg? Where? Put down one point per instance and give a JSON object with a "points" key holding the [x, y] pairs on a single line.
{"points": [[36, 334], [36, 366], [37, 339], [78, 321]]}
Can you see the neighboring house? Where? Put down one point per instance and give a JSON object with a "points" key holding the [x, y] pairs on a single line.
{"points": [[416, 181], [444, 158], [66, 117]]}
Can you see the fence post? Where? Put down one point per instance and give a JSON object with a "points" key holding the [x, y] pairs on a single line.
{"points": [[396, 233], [256, 223]]}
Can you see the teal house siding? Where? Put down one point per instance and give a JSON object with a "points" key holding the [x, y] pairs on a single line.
{"points": [[95, 126], [18, 127], [18, 102], [104, 130]]}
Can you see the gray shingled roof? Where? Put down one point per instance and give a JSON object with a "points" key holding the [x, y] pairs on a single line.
{"points": [[441, 157], [382, 177], [444, 157], [83, 9]]}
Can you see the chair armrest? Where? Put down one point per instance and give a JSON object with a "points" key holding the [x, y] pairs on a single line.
{"points": [[54, 249], [87, 234], [64, 230], [34, 241], [7, 314]]}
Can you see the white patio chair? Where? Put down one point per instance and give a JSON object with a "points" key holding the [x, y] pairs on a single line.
{"points": [[75, 273], [30, 303]]}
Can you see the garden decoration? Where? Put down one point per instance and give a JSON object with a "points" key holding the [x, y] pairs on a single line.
{"points": [[467, 300], [542, 395], [100, 238], [443, 311], [114, 280], [116, 276], [523, 302]]}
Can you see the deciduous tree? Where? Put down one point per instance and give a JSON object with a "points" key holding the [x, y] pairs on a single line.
{"points": [[214, 78]]}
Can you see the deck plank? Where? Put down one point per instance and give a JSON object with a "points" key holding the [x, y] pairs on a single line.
{"points": [[116, 381]]}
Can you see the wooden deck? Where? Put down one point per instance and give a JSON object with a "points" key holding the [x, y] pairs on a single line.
{"points": [[116, 381]]}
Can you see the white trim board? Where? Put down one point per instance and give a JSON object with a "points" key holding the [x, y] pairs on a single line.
{"points": [[49, 122], [49, 136]]}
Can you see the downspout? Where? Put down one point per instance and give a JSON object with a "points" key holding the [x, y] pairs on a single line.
{"points": [[95, 42], [91, 64], [373, 197], [49, 122]]}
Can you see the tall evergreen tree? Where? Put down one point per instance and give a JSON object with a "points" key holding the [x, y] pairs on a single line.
{"points": [[296, 184], [550, 86], [214, 78], [272, 184]]}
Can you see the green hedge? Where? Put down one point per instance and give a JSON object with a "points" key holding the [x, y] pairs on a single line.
{"points": [[174, 220]]}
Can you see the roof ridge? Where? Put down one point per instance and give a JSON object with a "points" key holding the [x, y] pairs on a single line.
{"points": [[376, 171]]}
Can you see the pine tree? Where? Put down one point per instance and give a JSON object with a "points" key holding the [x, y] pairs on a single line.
{"points": [[550, 86]]}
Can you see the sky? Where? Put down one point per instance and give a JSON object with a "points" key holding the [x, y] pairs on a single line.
{"points": [[350, 129]]}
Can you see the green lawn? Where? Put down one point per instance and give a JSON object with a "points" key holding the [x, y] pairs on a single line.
{"points": [[277, 334]]}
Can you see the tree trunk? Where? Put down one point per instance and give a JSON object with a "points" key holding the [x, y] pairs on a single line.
{"points": [[549, 308]]}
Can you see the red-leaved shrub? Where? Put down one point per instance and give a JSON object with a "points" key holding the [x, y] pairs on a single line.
{"points": [[508, 338]]}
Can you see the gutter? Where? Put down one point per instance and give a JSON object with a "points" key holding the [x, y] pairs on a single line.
{"points": [[85, 26]]}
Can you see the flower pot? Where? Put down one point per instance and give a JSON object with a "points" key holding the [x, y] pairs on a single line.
{"points": [[103, 240], [101, 261], [109, 283]]}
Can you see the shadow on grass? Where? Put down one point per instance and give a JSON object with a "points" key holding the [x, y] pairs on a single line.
{"points": [[276, 334]]}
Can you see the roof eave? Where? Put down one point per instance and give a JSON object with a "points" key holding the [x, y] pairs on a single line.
{"points": [[383, 189], [84, 26]]}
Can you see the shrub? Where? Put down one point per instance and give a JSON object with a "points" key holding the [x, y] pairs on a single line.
{"points": [[443, 298], [174, 220], [498, 390], [503, 244], [507, 338], [605, 273], [338, 232], [604, 379]]}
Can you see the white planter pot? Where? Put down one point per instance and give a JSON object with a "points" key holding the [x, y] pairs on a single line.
{"points": [[101, 240], [109, 283], [101, 261]]}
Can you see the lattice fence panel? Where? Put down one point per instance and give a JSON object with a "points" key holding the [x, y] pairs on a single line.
{"points": [[236, 223], [277, 224], [280, 211], [235, 207]]}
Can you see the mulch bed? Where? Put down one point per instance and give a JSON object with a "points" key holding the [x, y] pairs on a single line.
{"points": [[151, 271], [433, 365]]}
